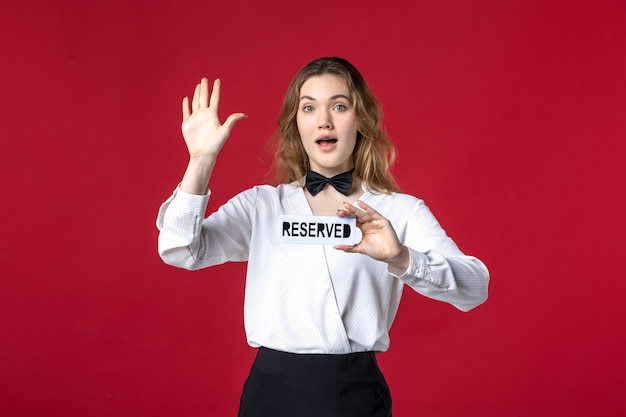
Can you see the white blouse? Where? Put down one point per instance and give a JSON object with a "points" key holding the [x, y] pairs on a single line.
{"points": [[314, 298]]}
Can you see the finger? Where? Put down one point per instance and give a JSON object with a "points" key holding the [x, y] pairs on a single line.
{"points": [[349, 249], [344, 213], [234, 118], [344, 248], [215, 94], [204, 92], [357, 212], [186, 111], [349, 208], [369, 210], [195, 101]]}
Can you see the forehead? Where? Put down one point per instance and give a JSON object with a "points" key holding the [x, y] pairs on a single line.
{"points": [[326, 85]]}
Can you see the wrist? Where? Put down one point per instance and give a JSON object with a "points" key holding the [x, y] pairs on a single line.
{"points": [[401, 261], [197, 174], [202, 160]]}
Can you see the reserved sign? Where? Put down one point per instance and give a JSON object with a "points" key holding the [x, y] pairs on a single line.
{"points": [[324, 230]]}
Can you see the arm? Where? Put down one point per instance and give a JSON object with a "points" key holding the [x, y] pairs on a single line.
{"points": [[459, 280], [190, 241], [186, 239], [204, 135], [426, 259]]}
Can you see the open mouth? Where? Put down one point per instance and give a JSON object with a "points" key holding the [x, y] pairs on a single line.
{"points": [[326, 141]]}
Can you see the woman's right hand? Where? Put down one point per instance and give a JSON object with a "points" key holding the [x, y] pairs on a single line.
{"points": [[204, 135], [201, 127]]}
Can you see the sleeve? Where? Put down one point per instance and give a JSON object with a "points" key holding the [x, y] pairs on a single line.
{"points": [[438, 269], [189, 240]]}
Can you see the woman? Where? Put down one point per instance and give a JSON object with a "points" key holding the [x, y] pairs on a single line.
{"points": [[317, 313]]}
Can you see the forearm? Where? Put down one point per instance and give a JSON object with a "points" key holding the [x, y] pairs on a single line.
{"points": [[180, 223], [459, 280], [188, 240], [196, 178]]}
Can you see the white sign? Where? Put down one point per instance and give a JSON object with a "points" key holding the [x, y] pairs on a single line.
{"points": [[318, 230]]}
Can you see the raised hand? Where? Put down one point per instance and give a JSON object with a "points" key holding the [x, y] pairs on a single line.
{"points": [[379, 240], [202, 130], [204, 135]]}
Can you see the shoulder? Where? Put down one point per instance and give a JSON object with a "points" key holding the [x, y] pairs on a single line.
{"points": [[408, 214], [267, 189], [395, 201], [267, 192], [399, 208]]}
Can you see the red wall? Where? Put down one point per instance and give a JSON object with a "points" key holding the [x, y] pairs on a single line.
{"points": [[509, 117]]}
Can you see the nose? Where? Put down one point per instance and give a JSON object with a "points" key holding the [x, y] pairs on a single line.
{"points": [[324, 120]]}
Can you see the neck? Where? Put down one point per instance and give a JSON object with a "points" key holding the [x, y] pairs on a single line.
{"points": [[329, 173]]}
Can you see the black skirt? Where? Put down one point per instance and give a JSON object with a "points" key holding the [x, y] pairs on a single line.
{"points": [[284, 384]]}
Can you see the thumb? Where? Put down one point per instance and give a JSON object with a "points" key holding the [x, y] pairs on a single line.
{"points": [[234, 118]]}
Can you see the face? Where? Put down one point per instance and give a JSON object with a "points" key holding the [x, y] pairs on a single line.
{"points": [[327, 124]]}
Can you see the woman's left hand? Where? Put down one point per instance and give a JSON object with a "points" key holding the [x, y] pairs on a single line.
{"points": [[379, 240]]}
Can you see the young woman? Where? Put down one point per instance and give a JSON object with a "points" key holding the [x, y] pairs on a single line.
{"points": [[317, 313]]}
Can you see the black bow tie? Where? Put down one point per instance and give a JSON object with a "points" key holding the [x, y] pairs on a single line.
{"points": [[316, 182]]}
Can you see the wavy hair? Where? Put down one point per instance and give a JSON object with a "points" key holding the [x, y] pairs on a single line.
{"points": [[373, 153]]}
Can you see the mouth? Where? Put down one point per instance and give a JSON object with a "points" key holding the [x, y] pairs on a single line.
{"points": [[326, 141]]}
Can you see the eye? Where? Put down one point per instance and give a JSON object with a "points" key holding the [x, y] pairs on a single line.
{"points": [[307, 108], [341, 107]]}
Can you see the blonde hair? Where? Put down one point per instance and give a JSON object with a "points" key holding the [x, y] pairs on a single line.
{"points": [[373, 154]]}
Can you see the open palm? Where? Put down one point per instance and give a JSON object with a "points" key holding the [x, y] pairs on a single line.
{"points": [[201, 127]]}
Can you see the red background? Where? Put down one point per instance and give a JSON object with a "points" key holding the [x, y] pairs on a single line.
{"points": [[509, 118]]}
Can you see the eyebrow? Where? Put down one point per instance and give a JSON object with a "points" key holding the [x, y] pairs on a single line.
{"points": [[335, 97]]}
